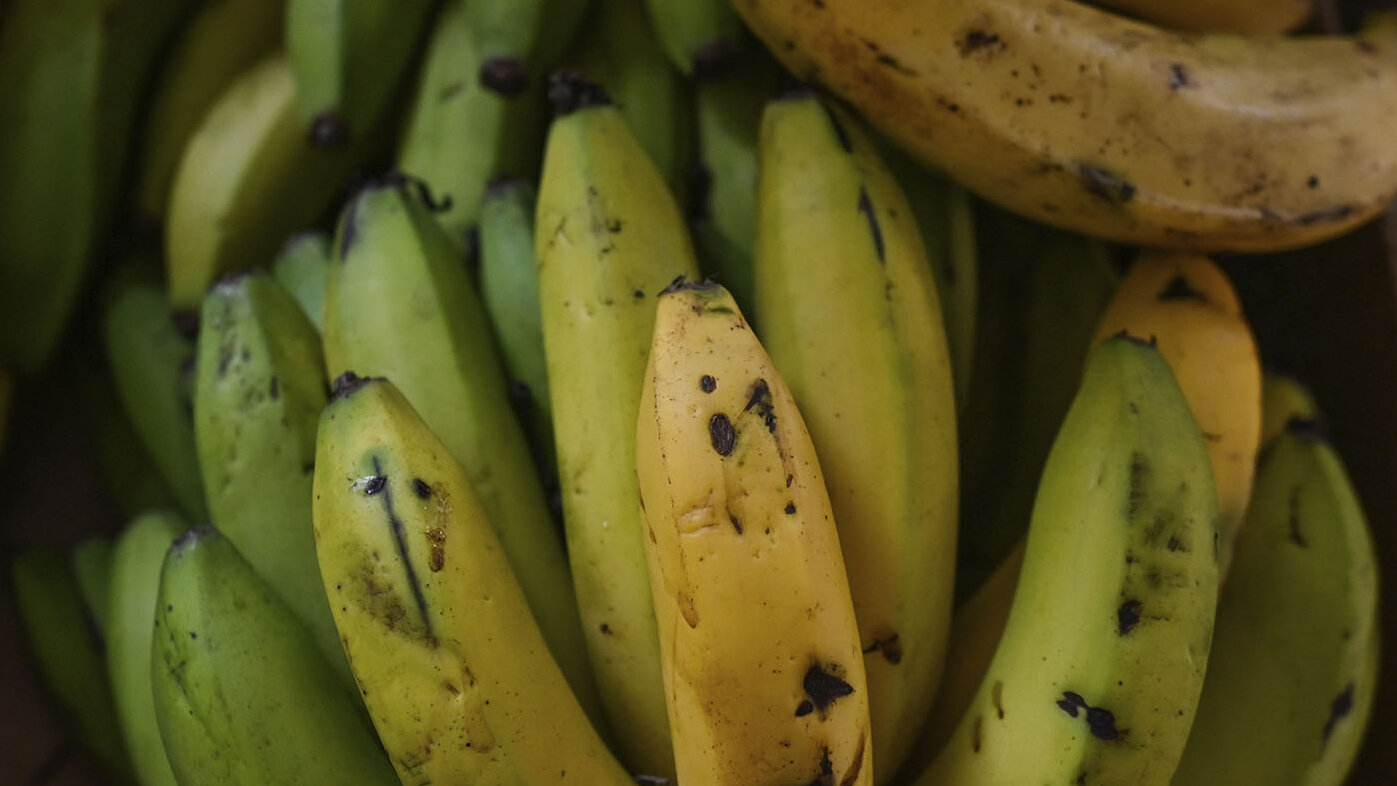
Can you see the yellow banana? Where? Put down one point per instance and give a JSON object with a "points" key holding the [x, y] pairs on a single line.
{"points": [[762, 664], [1234, 16], [850, 316], [1096, 123], [1186, 303]]}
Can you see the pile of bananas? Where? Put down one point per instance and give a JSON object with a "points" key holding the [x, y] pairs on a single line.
{"points": [[787, 392]]}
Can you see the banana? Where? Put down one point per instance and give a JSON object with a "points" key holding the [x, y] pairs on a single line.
{"points": [[1102, 125], [1282, 399], [1254, 17], [454, 671], [1188, 304], [247, 180], [460, 134], [348, 58], [67, 651], [92, 568], [223, 40], [241, 691], [850, 316], [520, 40], [398, 303], [301, 268], [763, 669], [259, 389], [1294, 664], [135, 586], [150, 361], [609, 236], [701, 37], [1097, 675]]}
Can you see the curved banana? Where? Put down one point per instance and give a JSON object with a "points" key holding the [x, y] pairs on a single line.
{"points": [[1232, 16], [454, 670], [1294, 664], [701, 37], [1283, 398], [850, 316], [399, 304], [1186, 302], [241, 691], [519, 40], [1097, 675], [92, 567], [302, 267], [609, 237], [763, 669], [1095, 123]]}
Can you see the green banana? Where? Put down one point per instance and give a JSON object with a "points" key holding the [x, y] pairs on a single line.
{"points": [[609, 237], [92, 567], [454, 670], [247, 180], [520, 40], [259, 390], [241, 691], [348, 58], [459, 134], [701, 37], [398, 303], [223, 40], [1097, 675], [1294, 663], [302, 266], [67, 649], [1283, 398], [150, 360], [136, 563]]}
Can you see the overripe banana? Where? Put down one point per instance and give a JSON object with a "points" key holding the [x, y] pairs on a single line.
{"points": [[520, 40], [398, 304], [1099, 124], [242, 693], [1097, 675], [763, 668], [454, 670], [701, 37], [609, 236], [1233, 16], [302, 266], [850, 316]]}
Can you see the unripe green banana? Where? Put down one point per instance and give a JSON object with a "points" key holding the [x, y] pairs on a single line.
{"points": [[454, 670], [241, 691], [520, 40], [399, 304], [1282, 399], [701, 37], [136, 563], [92, 567], [259, 389], [302, 267]]}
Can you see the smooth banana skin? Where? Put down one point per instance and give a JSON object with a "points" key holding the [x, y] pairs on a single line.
{"points": [[241, 691], [520, 40], [850, 316], [259, 390], [763, 668], [459, 134], [92, 568], [1254, 17], [223, 40], [1186, 302], [247, 180], [136, 565], [1294, 664], [348, 59], [1097, 675], [150, 359], [454, 670], [1283, 398], [701, 37], [302, 267], [67, 650], [610, 237], [399, 304], [1098, 124]]}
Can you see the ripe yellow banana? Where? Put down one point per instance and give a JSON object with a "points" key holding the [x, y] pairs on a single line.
{"points": [[1186, 303], [850, 316], [1077, 117], [1234, 16], [762, 664]]}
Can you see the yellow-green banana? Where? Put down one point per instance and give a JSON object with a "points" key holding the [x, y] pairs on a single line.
{"points": [[763, 668], [520, 40], [399, 304], [701, 37], [1282, 398], [453, 668], [1097, 675], [610, 236], [241, 691], [302, 266], [1294, 664], [1254, 17], [850, 316], [259, 389], [1099, 124]]}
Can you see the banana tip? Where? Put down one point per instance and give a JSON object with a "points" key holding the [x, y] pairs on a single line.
{"points": [[329, 130], [1308, 429], [1125, 335], [507, 76], [682, 283], [347, 383], [715, 59], [191, 538], [569, 91]]}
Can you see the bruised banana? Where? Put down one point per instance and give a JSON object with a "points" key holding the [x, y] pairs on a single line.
{"points": [[1097, 675], [302, 267], [850, 315], [763, 669], [1077, 117], [1232, 16], [454, 670]]}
